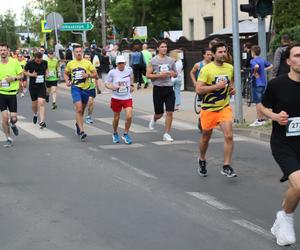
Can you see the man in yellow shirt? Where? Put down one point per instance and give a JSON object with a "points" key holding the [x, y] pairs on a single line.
{"points": [[10, 75], [79, 70], [215, 83]]}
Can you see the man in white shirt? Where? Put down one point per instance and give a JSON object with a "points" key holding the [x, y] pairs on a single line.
{"points": [[120, 81]]}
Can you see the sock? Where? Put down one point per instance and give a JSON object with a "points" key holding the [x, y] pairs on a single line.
{"points": [[226, 166]]}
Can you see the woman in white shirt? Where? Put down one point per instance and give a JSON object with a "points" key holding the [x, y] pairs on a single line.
{"points": [[177, 81]]}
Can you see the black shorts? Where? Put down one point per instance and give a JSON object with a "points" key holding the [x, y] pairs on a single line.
{"points": [[92, 92], [8, 102], [163, 96], [37, 91], [287, 155], [50, 84]]}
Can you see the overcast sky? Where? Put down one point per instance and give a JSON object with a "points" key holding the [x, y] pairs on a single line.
{"points": [[15, 5]]}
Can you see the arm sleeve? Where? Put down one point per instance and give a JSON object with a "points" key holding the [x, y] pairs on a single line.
{"points": [[27, 67], [276, 62]]}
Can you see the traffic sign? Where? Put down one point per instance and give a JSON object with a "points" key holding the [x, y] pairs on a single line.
{"points": [[76, 26], [45, 27], [55, 20]]}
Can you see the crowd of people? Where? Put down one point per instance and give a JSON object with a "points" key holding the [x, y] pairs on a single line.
{"points": [[87, 67]]}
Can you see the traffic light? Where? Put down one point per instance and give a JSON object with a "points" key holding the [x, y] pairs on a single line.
{"points": [[257, 8], [249, 8]]}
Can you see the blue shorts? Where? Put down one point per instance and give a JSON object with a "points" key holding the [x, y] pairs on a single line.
{"points": [[92, 93], [257, 93], [80, 95]]}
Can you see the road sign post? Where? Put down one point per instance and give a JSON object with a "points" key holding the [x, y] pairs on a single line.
{"points": [[76, 26], [55, 21]]}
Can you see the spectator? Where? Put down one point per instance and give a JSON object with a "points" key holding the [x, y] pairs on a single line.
{"points": [[137, 63], [259, 82], [279, 62], [177, 81]]}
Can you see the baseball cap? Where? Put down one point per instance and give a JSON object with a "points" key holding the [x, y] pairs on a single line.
{"points": [[120, 59]]}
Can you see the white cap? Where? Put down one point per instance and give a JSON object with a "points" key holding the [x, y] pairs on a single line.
{"points": [[120, 59]]}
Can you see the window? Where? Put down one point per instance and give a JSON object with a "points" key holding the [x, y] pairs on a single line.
{"points": [[191, 23], [209, 25]]}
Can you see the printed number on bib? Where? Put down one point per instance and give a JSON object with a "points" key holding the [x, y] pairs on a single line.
{"points": [[5, 84], [39, 79], [293, 126], [122, 90], [164, 68]]}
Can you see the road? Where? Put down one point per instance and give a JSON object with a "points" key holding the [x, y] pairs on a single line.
{"points": [[57, 192]]}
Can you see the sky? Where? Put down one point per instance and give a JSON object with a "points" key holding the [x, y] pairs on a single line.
{"points": [[15, 5]]}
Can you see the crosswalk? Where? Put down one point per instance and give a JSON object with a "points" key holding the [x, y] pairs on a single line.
{"points": [[102, 127]]}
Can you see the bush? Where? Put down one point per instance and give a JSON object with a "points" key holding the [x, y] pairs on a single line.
{"points": [[294, 34]]}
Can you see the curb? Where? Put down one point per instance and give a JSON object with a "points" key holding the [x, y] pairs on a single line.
{"points": [[262, 136]]}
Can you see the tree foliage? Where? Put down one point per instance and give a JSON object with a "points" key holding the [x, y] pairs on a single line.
{"points": [[286, 14], [8, 29]]}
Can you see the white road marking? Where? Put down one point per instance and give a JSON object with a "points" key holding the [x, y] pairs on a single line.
{"points": [[135, 128], [90, 130], [2, 136], [210, 200], [35, 130], [121, 146], [175, 124], [254, 228], [138, 171], [161, 143], [235, 138], [93, 149]]}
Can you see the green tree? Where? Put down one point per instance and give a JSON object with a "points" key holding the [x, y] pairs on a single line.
{"points": [[8, 30], [286, 14]]}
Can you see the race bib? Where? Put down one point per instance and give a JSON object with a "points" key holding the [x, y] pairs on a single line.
{"points": [[78, 75], [293, 126], [5, 84], [164, 68], [52, 73], [39, 79]]}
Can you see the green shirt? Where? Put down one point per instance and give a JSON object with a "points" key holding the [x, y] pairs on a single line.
{"points": [[10, 69], [52, 67], [92, 84]]}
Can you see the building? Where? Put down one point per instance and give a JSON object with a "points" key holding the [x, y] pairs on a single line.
{"points": [[200, 18]]}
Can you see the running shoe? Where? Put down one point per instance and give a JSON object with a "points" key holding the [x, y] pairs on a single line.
{"points": [[8, 143], [202, 168], [228, 171], [77, 129], [126, 138], [14, 129], [283, 229], [83, 135], [34, 119], [116, 138], [167, 137], [89, 120], [47, 98], [257, 123], [54, 106], [42, 125], [152, 124]]}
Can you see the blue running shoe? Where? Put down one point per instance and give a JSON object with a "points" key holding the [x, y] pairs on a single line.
{"points": [[116, 138], [126, 138], [77, 129], [89, 120]]}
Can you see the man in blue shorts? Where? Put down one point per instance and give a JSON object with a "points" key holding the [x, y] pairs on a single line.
{"points": [[80, 70]]}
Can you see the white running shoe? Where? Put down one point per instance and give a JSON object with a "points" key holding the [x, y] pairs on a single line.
{"points": [[167, 137], [283, 229], [257, 123], [152, 124]]}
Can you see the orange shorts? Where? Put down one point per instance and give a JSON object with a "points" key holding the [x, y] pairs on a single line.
{"points": [[211, 119]]}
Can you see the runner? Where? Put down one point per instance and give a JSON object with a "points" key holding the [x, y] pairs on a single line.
{"points": [[80, 70], [215, 82], [281, 103], [10, 74], [37, 70], [120, 81], [23, 81], [92, 95], [160, 70], [52, 79]]}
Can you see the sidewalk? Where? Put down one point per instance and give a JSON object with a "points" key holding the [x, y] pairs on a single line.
{"points": [[142, 101]]}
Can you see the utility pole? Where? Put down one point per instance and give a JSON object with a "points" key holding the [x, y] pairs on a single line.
{"points": [[83, 20], [45, 38], [103, 22], [262, 36], [237, 64]]}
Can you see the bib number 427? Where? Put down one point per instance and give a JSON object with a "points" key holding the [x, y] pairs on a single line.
{"points": [[293, 127]]}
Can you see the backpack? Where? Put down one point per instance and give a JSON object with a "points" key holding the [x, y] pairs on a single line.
{"points": [[284, 68]]}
